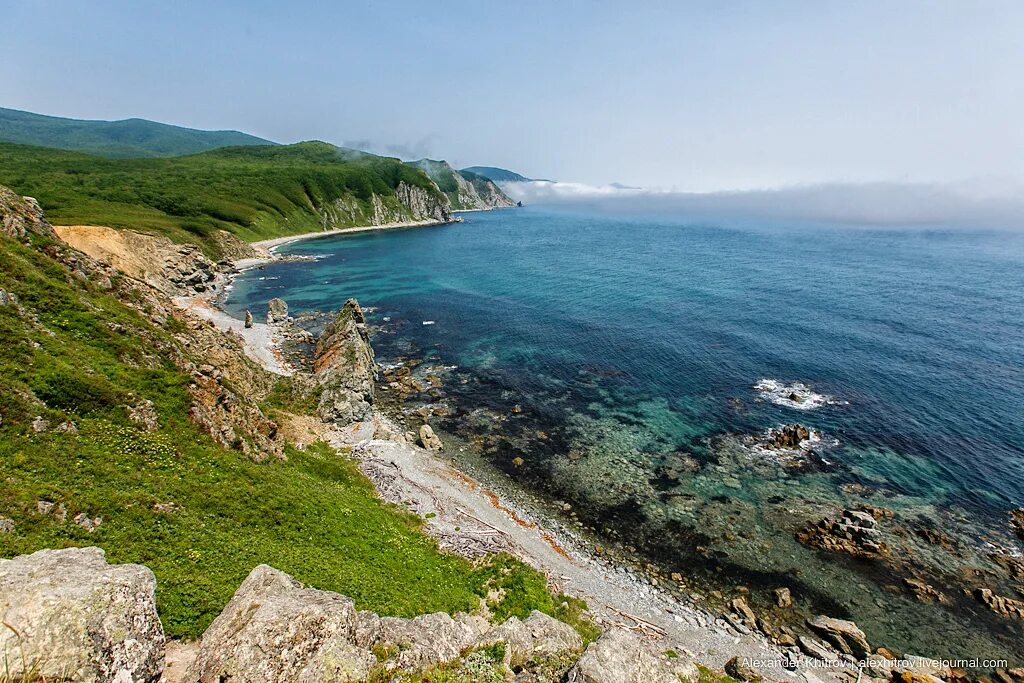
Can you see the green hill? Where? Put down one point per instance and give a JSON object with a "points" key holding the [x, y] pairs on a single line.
{"points": [[466, 191], [253, 192], [115, 139], [81, 350], [498, 175]]}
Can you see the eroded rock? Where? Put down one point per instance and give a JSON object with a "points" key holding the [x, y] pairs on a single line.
{"points": [[344, 368], [537, 636], [22, 216], [73, 615], [277, 311]]}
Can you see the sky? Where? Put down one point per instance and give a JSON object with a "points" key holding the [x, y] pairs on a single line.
{"points": [[688, 96]]}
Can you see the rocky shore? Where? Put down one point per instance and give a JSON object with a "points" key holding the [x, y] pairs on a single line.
{"points": [[71, 614]]}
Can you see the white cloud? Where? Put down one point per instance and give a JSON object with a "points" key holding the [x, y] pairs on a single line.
{"points": [[990, 204]]}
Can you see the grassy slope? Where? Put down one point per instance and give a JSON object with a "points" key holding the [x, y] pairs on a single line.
{"points": [[253, 192], [115, 139], [314, 516]]}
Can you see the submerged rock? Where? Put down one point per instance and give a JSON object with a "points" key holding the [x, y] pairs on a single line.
{"points": [[620, 656], [854, 533], [343, 366], [73, 616]]}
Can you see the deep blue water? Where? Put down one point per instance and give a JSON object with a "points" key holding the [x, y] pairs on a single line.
{"points": [[629, 341]]}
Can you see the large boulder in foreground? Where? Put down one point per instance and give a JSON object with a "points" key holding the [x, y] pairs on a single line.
{"points": [[276, 631], [73, 616], [620, 656], [343, 366], [537, 636]]}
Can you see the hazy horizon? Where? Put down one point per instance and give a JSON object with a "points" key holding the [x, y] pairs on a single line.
{"points": [[702, 97]]}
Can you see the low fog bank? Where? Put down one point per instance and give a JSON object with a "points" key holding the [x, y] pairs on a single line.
{"points": [[969, 205]]}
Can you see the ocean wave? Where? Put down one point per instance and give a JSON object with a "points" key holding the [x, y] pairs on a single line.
{"points": [[797, 395]]}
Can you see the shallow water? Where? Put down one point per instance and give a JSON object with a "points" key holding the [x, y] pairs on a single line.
{"points": [[623, 359]]}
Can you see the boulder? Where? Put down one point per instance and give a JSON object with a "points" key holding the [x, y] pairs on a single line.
{"points": [[620, 656], [430, 440], [277, 311], [344, 368], [783, 598], [844, 635], [73, 616], [741, 670], [537, 636], [248, 319], [274, 630]]}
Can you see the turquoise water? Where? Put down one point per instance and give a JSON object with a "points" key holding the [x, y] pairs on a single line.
{"points": [[618, 357]]}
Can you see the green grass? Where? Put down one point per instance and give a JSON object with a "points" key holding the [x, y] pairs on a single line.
{"points": [[314, 516], [254, 192]]}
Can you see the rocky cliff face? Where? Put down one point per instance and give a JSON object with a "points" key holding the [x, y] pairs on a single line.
{"points": [[343, 366], [466, 191], [423, 205]]}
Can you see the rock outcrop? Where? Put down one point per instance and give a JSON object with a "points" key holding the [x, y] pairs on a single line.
{"points": [[274, 630], [424, 205], [71, 615], [344, 368], [620, 656], [22, 216], [464, 189]]}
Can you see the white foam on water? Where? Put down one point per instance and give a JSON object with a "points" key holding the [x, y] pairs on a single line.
{"points": [[428, 322], [797, 395]]}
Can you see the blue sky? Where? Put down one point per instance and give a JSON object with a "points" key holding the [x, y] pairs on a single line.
{"points": [[694, 96]]}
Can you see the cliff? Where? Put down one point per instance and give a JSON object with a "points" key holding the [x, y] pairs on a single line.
{"points": [[465, 191]]}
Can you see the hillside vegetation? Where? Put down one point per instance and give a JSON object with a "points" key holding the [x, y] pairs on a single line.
{"points": [[465, 190], [253, 192], [76, 358], [116, 139]]}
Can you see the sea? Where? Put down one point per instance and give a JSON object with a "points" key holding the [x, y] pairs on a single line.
{"points": [[637, 367]]}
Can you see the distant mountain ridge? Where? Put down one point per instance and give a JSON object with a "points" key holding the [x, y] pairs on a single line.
{"points": [[127, 138], [465, 190], [498, 175]]}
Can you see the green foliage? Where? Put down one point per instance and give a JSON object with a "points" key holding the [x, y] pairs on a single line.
{"points": [[254, 192], [200, 516], [116, 139], [524, 590]]}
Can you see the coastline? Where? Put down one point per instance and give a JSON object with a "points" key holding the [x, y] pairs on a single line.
{"points": [[472, 512], [270, 246]]}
